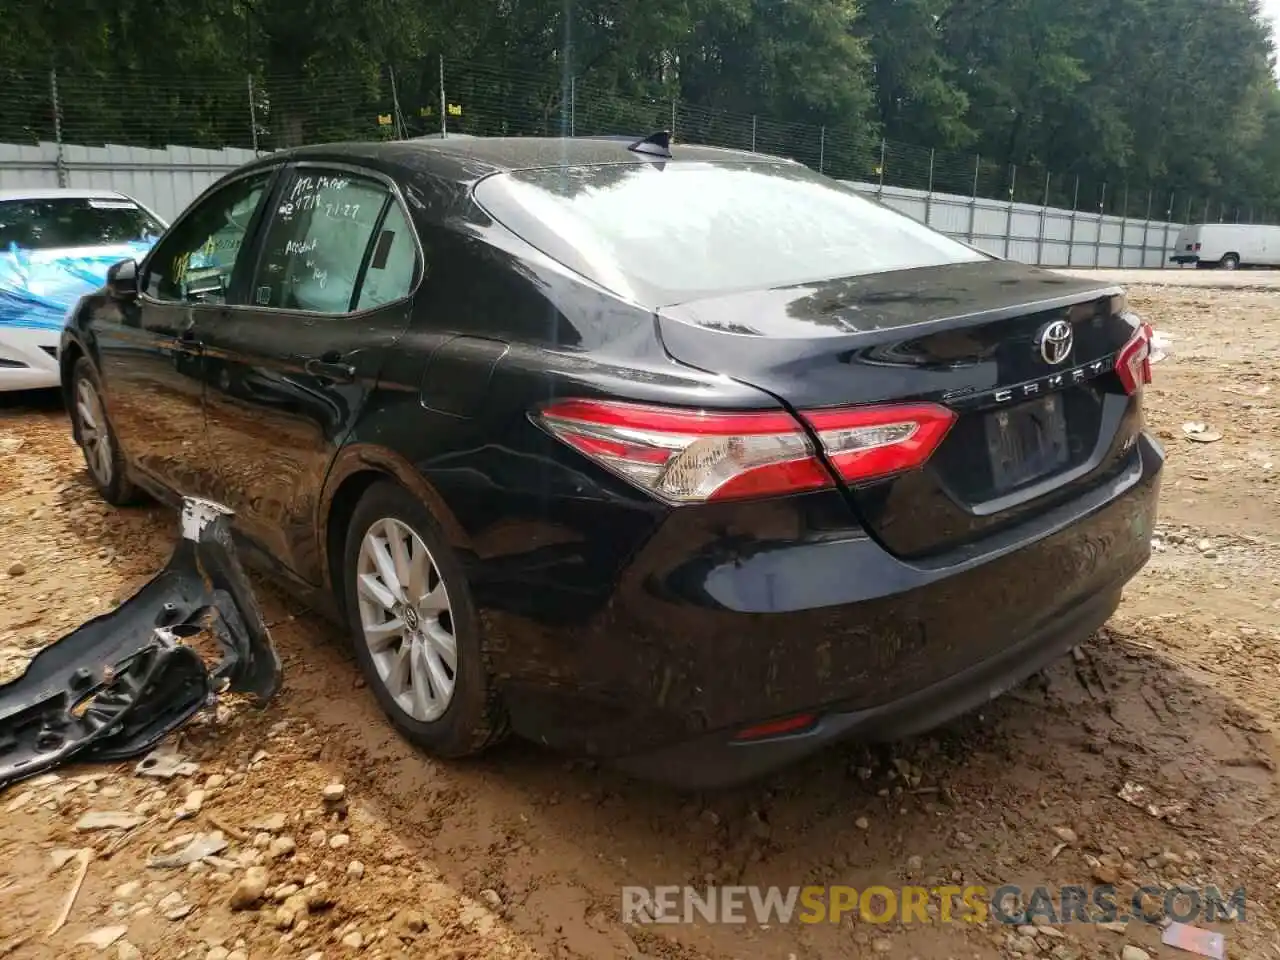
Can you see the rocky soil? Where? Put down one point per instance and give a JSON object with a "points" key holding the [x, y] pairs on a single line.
{"points": [[310, 830]]}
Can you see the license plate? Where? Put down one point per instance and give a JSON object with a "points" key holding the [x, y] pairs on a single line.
{"points": [[1027, 442]]}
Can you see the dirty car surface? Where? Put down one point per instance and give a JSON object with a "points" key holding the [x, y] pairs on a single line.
{"points": [[688, 458]]}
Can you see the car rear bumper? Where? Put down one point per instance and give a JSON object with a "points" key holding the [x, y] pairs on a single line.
{"points": [[702, 641], [28, 358], [718, 760]]}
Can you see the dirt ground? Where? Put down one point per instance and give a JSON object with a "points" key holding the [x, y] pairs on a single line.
{"points": [[523, 854]]}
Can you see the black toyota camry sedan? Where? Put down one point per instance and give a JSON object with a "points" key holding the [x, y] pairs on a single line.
{"points": [[687, 458]]}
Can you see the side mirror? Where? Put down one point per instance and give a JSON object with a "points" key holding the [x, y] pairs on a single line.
{"points": [[122, 280]]}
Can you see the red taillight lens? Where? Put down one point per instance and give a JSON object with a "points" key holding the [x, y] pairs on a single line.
{"points": [[1133, 365], [870, 442], [693, 456], [1197, 248]]}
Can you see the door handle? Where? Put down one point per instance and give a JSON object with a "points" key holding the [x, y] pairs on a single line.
{"points": [[333, 370]]}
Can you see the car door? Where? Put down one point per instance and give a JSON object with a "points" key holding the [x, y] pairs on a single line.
{"points": [[291, 365], [149, 353]]}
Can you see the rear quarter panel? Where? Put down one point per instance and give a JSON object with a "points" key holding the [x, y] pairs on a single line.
{"points": [[497, 332]]}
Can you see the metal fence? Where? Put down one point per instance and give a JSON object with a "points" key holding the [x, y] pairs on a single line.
{"points": [[164, 180], [167, 180], [87, 131], [1048, 236]]}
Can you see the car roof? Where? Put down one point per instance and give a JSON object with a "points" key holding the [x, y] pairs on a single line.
{"points": [[55, 193], [466, 158]]}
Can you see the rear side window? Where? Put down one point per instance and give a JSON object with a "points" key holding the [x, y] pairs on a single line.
{"points": [[56, 223], [393, 263], [319, 241], [665, 233]]}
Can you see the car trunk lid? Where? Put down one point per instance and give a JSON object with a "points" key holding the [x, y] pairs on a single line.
{"points": [[1024, 357]]}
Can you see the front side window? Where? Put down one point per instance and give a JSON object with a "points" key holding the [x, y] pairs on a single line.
{"points": [[195, 261], [57, 223], [318, 242]]}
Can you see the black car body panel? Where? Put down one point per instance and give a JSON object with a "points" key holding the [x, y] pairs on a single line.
{"points": [[964, 335], [707, 633], [620, 623]]}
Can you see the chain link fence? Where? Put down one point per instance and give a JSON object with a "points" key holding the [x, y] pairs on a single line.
{"points": [[262, 114]]}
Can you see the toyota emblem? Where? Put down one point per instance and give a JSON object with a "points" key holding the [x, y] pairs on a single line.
{"points": [[1056, 341]]}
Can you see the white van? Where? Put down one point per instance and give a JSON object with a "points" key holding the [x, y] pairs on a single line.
{"points": [[1228, 245]]}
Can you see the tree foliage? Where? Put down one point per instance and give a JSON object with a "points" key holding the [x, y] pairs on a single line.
{"points": [[1177, 96]]}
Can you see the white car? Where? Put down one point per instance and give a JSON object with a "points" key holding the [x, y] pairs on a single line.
{"points": [[56, 246]]}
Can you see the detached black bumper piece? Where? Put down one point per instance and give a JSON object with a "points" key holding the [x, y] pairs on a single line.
{"points": [[117, 685]]}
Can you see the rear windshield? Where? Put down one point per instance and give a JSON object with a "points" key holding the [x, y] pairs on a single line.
{"points": [[53, 223], [666, 233]]}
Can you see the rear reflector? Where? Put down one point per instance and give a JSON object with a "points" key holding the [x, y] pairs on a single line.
{"points": [[778, 728], [692, 456], [1133, 364]]}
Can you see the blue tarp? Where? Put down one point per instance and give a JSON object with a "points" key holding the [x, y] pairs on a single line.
{"points": [[38, 288]]}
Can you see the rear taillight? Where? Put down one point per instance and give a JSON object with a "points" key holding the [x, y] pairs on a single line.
{"points": [[691, 456], [1133, 364], [864, 443]]}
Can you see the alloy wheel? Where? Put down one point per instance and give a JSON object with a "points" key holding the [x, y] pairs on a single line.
{"points": [[406, 619], [95, 438]]}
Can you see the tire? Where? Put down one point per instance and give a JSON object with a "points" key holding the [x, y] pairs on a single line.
{"points": [[1230, 262], [471, 718], [92, 428]]}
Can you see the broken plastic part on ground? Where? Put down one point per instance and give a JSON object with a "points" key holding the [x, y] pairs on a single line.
{"points": [[118, 684]]}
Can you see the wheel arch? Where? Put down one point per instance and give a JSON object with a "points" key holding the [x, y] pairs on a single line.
{"points": [[67, 358], [355, 470]]}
